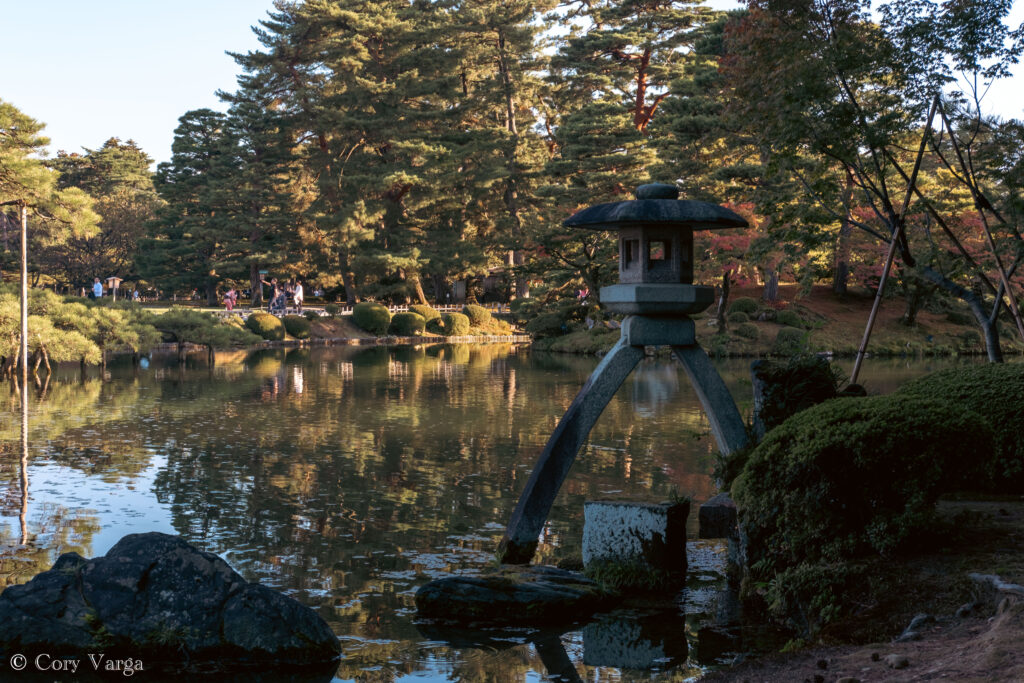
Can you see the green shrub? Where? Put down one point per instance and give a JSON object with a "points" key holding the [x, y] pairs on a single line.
{"points": [[524, 310], [310, 315], [196, 327], [743, 304], [435, 325], [332, 309], [789, 342], [970, 338], [265, 325], [996, 392], [455, 324], [768, 315], [426, 312], [739, 317], [478, 315], [850, 478], [296, 326], [793, 386], [789, 319], [407, 325], [546, 325], [372, 317], [747, 330]]}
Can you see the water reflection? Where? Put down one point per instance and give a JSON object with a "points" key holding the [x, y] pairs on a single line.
{"points": [[348, 477]]}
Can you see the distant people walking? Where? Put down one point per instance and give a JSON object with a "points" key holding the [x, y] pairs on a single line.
{"points": [[297, 295], [135, 295], [97, 289], [277, 296], [229, 299]]}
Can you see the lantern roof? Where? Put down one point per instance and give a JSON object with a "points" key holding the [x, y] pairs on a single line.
{"points": [[657, 204]]}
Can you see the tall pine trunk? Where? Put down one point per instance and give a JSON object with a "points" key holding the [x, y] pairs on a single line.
{"points": [[516, 256], [255, 285]]}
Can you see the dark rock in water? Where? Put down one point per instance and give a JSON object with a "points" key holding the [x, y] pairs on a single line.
{"points": [[157, 598], [513, 594]]}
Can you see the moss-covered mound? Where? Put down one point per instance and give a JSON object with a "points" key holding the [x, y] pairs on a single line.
{"points": [[851, 478], [995, 391], [372, 317], [297, 326], [407, 324], [266, 325]]}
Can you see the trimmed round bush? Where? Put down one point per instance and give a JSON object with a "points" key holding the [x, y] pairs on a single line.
{"points": [[739, 317], [426, 312], [332, 309], [310, 315], [852, 477], [747, 331], [995, 391], [435, 325], [546, 325], [478, 315], [407, 324], [297, 326], [743, 304], [266, 325], [455, 324], [372, 317], [789, 319], [789, 342]]}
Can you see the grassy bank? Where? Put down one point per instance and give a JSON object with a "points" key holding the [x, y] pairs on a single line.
{"points": [[818, 322]]}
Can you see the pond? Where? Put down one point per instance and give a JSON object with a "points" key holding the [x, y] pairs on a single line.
{"points": [[348, 477]]}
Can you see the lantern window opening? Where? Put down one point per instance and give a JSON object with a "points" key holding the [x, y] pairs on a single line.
{"points": [[630, 252], [659, 250]]}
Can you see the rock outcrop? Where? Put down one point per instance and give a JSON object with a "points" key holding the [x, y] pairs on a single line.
{"points": [[529, 595], [155, 597]]}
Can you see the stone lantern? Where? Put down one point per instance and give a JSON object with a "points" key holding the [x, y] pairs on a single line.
{"points": [[657, 295], [113, 282]]}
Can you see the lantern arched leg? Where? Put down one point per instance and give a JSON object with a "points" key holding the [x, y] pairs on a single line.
{"points": [[726, 423], [520, 541]]}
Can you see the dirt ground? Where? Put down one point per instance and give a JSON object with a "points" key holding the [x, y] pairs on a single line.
{"points": [[976, 633]]}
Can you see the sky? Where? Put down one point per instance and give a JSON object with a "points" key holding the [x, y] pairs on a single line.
{"points": [[95, 69]]}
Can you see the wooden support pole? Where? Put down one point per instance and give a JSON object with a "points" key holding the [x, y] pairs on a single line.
{"points": [[897, 229]]}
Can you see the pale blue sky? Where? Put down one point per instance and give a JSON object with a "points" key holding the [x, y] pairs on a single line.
{"points": [[97, 69]]}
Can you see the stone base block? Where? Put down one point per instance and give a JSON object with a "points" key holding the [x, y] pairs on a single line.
{"points": [[648, 534], [645, 331], [657, 298], [717, 518]]}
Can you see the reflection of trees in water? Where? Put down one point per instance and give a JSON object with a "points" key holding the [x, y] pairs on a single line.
{"points": [[391, 467], [52, 531]]}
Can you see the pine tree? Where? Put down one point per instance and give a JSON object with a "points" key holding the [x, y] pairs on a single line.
{"points": [[117, 176]]}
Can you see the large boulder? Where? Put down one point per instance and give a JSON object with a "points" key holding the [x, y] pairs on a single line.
{"points": [[157, 598]]}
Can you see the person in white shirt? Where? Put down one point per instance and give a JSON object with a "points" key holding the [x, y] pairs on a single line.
{"points": [[297, 296]]}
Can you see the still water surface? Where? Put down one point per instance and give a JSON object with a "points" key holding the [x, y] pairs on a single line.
{"points": [[348, 477]]}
